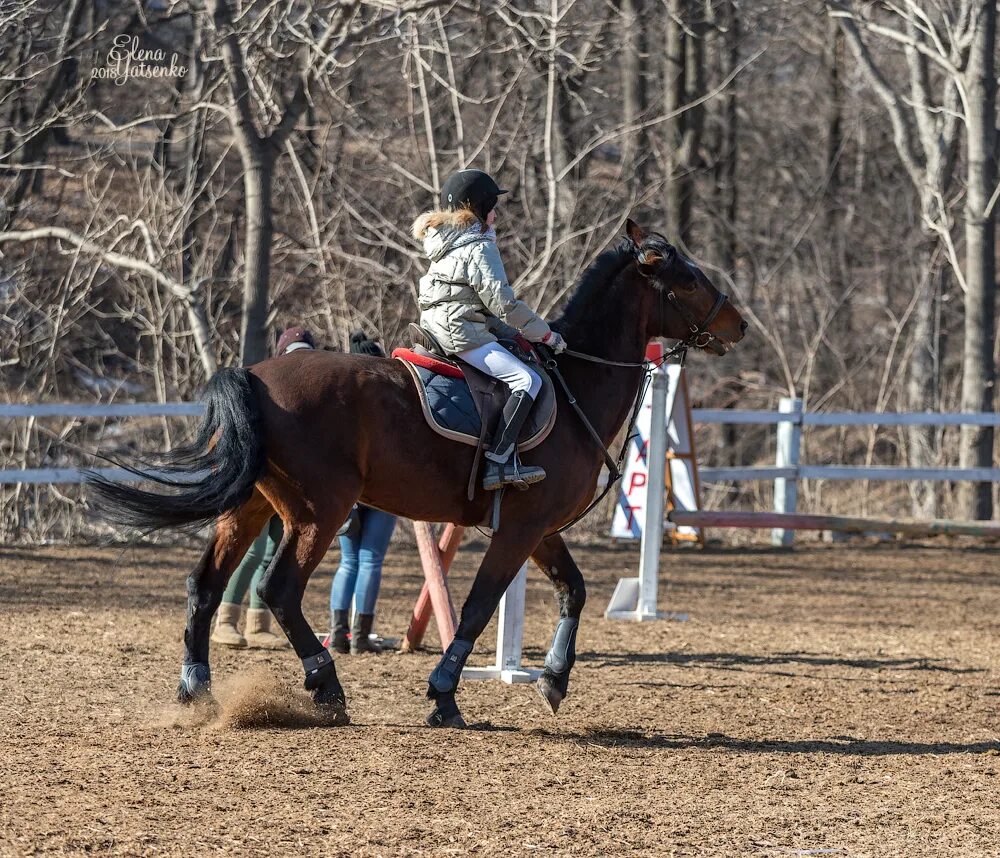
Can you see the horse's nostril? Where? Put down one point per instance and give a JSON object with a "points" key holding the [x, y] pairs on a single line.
{"points": [[743, 326]]}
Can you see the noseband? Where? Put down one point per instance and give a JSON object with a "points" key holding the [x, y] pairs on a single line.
{"points": [[699, 335]]}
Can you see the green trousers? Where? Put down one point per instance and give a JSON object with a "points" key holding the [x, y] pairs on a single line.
{"points": [[253, 566]]}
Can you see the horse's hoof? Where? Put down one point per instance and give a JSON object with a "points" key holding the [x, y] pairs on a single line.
{"points": [[445, 713], [550, 693], [201, 698], [439, 719], [334, 714], [332, 703]]}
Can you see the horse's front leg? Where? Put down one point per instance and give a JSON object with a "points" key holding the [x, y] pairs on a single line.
{"points": [[501, 563], [553, 558], [234, 533]]}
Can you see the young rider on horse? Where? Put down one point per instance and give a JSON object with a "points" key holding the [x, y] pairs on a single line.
{"points": [[464, 293]]}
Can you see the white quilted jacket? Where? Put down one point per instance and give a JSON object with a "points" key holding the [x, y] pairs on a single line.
{"points": [[466, 287]]}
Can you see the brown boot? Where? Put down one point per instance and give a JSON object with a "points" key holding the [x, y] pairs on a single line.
{"points": [[225, 632], [258, 631]]}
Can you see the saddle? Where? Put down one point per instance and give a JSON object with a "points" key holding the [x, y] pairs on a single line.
{"points": [[463, 404]]}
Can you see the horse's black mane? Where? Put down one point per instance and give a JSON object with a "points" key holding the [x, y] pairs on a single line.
{"points": [[596, 277]]}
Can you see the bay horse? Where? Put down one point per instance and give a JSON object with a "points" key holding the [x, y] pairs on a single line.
{"points": [[306, 435]]}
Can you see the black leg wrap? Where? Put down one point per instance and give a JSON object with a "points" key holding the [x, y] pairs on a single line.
{"points": [[314, 666], [562, 653], [554, 681], [444, 678], [328, 694], [322, 681], [196, 682]]}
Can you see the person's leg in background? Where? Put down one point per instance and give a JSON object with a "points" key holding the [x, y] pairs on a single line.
{"points": [[342, 590], [376, 531], [258, 631], [228, 615]]}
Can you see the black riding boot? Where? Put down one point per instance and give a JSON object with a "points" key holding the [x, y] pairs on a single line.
{"points": [[338, 633], [502, 466], [360, 641]]}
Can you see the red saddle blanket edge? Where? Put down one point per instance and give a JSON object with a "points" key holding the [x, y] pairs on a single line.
{"points": [[439, 366]]}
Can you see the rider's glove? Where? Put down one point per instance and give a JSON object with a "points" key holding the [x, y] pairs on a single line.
{"points": [[554, 341]]}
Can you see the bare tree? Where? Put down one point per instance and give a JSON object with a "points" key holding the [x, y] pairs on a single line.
{"points": [[954, 47]]}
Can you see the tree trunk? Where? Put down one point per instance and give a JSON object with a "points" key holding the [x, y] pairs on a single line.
{"points": [[562, 153], [978, 371], [921, 383], [834, 174], [728, 147], [683, 82], [51, 98], [676, 174], [635, 149], [258, 179]]}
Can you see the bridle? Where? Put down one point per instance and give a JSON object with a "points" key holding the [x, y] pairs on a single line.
{"points": [[697, 332], [698, 337]]}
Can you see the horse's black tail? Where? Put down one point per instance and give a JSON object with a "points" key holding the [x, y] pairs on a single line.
{"points": [[208, 478]]}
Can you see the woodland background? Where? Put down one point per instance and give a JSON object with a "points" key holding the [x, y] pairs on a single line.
{"points": [[832, 165]]}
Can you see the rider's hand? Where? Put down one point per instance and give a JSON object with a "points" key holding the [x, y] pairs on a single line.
{"points": [[554, 341]]}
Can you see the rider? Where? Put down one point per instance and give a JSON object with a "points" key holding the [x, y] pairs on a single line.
{"points": [[463, 292]]}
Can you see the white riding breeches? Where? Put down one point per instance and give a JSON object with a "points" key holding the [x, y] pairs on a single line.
{"points": [[495, 360]]}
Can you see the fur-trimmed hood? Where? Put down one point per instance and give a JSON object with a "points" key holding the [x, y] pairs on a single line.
{"points": [[443, 230]]}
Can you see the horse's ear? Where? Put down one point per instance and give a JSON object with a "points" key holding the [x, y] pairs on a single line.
{"points": [[634, 231]]}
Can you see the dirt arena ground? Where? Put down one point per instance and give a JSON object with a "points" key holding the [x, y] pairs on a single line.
{"points": [[825, 701]]}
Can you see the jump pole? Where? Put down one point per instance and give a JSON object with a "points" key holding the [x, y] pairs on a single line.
{"points": [[636, 598], [510, 631], [451, 538], [436, 557], [801, 521], [435, 585]]}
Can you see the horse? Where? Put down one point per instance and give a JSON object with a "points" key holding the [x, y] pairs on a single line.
{"points": [[307, 435]]}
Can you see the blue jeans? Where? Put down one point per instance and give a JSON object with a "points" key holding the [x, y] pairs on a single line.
{"points": [[360, 573]]}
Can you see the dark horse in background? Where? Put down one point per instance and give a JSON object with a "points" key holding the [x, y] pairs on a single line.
{"points": [[308, 434]]}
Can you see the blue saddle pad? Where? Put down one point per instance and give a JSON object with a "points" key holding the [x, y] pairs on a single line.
{"points": [[450, 402]]}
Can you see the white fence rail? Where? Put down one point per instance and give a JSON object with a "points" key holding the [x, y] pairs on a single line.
{"points": [[786, 472], [62, 476]]}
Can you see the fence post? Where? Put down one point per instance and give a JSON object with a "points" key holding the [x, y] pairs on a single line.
{"points": [[656, 490], [786, 490]]}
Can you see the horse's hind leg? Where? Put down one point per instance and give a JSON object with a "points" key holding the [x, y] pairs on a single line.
{"points": [[553, 558], [306, 539], [234, 533], [507, 552]]}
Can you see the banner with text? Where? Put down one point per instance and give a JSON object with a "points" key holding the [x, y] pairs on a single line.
{"points": [[630, 510]]}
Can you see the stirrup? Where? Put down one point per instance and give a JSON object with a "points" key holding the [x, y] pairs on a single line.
{"points": [[511, 473]]}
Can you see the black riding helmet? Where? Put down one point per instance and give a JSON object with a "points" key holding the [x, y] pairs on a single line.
{"points": [[472, 188]]}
